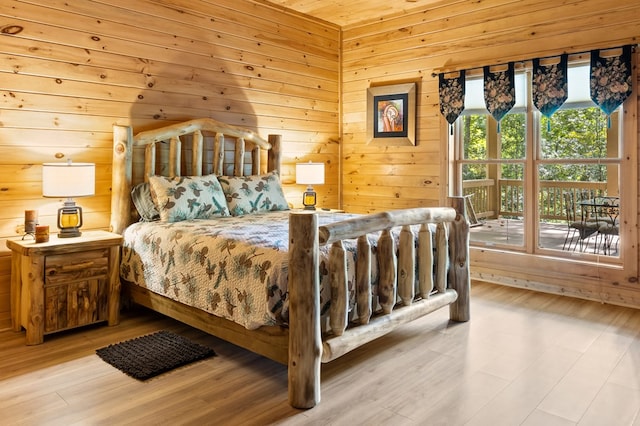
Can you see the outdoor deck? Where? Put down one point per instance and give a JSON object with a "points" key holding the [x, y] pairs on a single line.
{"points": [[556, 200], [510, 232]]}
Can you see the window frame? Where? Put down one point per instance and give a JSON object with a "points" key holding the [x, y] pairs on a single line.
{"points": [[621, 267]]}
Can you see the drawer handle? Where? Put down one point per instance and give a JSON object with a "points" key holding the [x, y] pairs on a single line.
{"points": [[77, 266]]}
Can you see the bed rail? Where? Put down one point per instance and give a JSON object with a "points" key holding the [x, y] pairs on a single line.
{"points": [[397, 269]]}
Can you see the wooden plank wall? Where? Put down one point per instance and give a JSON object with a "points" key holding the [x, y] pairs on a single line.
{"points": [[70, 69], [450, 35]]}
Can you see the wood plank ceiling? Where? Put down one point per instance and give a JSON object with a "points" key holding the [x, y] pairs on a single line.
{"points": [[350, 12]]}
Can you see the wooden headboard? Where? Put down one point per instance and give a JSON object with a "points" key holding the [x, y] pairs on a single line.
{"points": [[192, 148]]}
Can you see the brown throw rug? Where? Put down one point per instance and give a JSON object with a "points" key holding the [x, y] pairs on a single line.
{"points": [[147, 356]]}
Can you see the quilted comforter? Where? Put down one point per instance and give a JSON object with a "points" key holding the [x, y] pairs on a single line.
{"points": [[233, 267]]}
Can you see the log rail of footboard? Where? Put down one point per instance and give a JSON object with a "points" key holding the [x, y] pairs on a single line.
{"points": [[397, 276]]}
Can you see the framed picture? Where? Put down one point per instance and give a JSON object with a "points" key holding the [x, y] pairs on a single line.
{"points": [[391, 114]]}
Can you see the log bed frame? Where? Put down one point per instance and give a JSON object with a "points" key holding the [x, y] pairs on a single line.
{"points": [[302, 346]]}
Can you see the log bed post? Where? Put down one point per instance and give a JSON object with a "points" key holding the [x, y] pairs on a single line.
{"points": [[305, 344], [459, 276], [121, 179], [274, 157]]}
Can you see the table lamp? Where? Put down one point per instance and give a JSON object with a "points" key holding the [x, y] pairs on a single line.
{"points": [[68, 180], [309, 174]]}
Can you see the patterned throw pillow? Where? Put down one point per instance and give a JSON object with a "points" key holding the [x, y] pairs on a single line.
{"points": [[252, 194], [141, 196], [188, 197]]}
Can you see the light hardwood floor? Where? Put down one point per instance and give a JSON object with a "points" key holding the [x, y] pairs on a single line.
{"points": [[524, 358]]}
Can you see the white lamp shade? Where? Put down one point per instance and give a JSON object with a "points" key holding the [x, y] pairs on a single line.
{"points": [[68, 179], [310, 173]]}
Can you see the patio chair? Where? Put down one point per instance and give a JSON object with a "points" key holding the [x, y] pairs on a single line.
{"points": [[608, 224], [578, 229], [609, 233]]}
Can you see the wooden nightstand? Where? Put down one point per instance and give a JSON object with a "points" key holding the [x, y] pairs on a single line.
{"points": [[64, 283]]}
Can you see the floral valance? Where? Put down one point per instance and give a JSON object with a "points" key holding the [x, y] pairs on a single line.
{"points": [[611, 81], [549, 85], [499, 91], [451, 91]]}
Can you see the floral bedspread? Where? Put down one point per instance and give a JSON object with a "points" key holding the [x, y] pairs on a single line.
{"points": [[233, 267]]}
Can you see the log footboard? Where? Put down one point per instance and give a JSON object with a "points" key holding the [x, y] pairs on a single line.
{"points": [[401, 298]]}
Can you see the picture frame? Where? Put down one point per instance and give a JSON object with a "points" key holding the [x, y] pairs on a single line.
{"points": [[391, 114]]}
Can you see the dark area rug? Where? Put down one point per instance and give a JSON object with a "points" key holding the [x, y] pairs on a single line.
{"points": [[147, 356]]}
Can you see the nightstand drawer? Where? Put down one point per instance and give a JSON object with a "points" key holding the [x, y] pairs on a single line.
{"points": [[76, 266]]}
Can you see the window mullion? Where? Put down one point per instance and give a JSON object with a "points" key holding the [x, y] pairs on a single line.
{"points": [[531, 184]]}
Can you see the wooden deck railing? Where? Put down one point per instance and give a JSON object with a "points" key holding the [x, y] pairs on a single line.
{"points": [[482, 198], [511, 196], [551, 201]]}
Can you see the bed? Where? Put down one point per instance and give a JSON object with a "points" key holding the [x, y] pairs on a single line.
{"points": [[329, 283]]}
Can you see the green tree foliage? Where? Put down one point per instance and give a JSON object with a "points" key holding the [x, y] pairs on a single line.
{"points": [[475, 145], [568, 134], [512, 144], [573, 134]]}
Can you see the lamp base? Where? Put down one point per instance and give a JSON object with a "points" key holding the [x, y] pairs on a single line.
{"points": [[69, 233], [309, 199], [69, 220]]}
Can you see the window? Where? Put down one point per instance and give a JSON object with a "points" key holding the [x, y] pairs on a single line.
{"points": [[531, 179]]}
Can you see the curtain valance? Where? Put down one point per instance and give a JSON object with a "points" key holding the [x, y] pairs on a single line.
{"points": [[610, 81], [549, 85], [452, 97], [499, 91]]}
